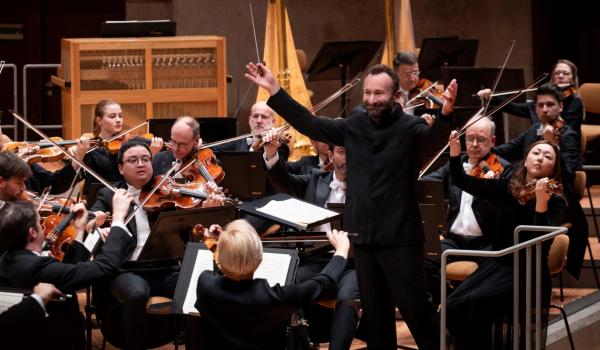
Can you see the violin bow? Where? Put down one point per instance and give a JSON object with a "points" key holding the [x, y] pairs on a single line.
{"points": [[2, 63], [419, 95], [313, 110], [67, 154], [123, 133]]}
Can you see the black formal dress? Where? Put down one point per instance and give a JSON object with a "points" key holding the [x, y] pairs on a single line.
{"points": [[135, 283], [315, 188], [162, 162], [249, 314], [23, 269], [570, 161], [381, 206], [104, 164], [60, 180], [485, 295], [572, 111]]}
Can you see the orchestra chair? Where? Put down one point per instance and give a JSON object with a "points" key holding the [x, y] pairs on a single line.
{"points": [[460, 270], [590, 96]]}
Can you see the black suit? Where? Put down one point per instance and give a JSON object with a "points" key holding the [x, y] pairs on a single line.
{"points": [[104, 164], [137, 281], [249, 314], [570, 161], [314, 188], [381, 205], [23, 269], [17, 323], [162, 162], [304, 165], [484, 210], [60, 180]]}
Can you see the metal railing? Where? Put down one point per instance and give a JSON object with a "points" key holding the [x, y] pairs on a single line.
{"points": [[15, 97], [527, 245], [25, 68]]}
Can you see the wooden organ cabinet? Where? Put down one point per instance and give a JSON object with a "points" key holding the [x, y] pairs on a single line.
{"points": [[149, 77]]}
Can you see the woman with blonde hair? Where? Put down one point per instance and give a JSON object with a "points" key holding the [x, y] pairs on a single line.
{"points": [[239, 312]]}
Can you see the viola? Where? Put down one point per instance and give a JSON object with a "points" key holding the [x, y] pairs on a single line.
{"points": [[491, 163], [527, 193], [209, 238], [114, 145], [205, 167]]}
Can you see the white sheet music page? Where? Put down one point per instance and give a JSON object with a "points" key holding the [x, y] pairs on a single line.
{"points": [[274, 268], [8, 299], [204, 261], [297, 211]]}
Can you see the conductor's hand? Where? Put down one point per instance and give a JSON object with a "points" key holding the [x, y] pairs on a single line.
{"points": [[271, 143], [260, 75], [339, 241], [121, 203], [454, 143], [46, 291]]}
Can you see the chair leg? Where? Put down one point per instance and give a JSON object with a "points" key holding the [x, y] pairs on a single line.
{"points": [[89, 311], [560, 284], [564, 317], [593, 262], [593, 211]]}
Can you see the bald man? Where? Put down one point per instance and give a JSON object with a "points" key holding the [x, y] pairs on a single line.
{"points": [[185, 136]]}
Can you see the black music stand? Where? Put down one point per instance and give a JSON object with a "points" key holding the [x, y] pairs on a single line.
{"points": [[342, 60], [245, 174], [447, 51], [172, 230]]}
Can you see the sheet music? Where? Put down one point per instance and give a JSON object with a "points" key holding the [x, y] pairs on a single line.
{"points": [[204, 261], [8, 299], [296, 211], [91, 240], [274, 268]]}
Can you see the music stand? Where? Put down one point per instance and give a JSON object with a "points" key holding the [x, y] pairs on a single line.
{"points": [[447, 51], [172, 230], [245, 174], [211, 128], [342, 60]]}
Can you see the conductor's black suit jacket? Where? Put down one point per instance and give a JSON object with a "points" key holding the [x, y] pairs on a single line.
{"points": [[383, 165]]}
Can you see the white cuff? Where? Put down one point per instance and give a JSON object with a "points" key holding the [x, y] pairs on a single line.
{"points": [[41, 302], [121, 224]]}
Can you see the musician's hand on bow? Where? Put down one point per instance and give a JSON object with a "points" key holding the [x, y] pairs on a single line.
{"points": [[542, 195], [449, 97], [454, 143], [80, 219], [83, 145], [156, 145], [46, 291], [549, 134], [429, 119], [271, 143], [340, 242], [262, 76], [484, 94], [121, 203]]}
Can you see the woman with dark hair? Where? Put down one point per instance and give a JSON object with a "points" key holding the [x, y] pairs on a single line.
{"points": [[524, 199], [564, 74]]}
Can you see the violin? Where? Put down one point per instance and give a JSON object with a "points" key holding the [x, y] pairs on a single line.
{"points": [[206, 167], [425, 93], [114, 145], [491, 163], [527, 192], [285, 136]]}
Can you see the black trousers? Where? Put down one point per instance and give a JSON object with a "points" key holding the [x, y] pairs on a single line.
{"points": [[133, 289], [391, 276], [345, 316]]}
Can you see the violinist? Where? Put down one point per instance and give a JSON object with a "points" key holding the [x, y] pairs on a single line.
{"points": [[60, 180], [185, 137], [406, 66], [262, 118], [548, 107], [23, 266], [260, 312], [471, 219], [564, 73], [485, 295], [137, 280], [320, 187]]}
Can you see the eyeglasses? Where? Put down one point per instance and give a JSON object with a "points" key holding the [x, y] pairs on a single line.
{"points": [[405, 75], [480, 139], [262, 116], [136, 160], [563, 72]]}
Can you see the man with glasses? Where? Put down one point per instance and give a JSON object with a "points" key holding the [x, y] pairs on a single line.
{"points": [[262, 118], [185, 137], [406, 66], [138, 280], [471, 220]]}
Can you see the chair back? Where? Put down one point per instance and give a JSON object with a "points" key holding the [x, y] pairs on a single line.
{"points": [[579, 183], [589, 93], [558, 254]]}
